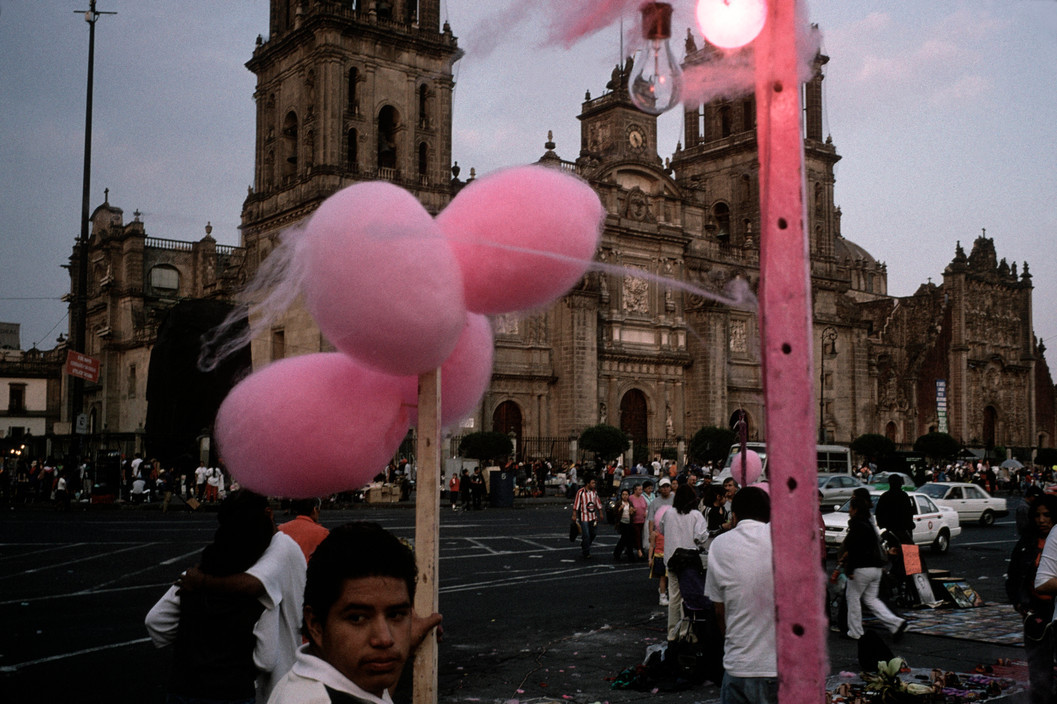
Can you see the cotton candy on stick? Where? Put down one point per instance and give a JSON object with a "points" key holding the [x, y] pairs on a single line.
{"points": [[502, 227], [464, 375], [311, 425], [380, 279]]}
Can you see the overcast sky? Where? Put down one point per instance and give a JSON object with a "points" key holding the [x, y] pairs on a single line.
{"points": [[943, 112]]}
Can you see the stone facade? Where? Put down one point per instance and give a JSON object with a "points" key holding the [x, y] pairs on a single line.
{"points": [[134, 281], [346, 91], [355, 91]]}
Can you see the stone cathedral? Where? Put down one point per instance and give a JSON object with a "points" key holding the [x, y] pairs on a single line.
{"points": [[355, 90]]}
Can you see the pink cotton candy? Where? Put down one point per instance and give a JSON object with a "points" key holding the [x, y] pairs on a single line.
{"points": [[380, 279], [495, 219], [311, 426], [464, 376], [753, 468], [660, 516]]}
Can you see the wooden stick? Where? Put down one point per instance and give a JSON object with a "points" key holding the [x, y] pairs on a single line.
{"points": [[785, 323], [427, 531]]}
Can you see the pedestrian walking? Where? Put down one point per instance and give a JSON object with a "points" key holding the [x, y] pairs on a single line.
{"points": [[586, 508]]}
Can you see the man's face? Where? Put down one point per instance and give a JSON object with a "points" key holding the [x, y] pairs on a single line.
{"points": [[666, 490], [730, 487], [366, 635], [591, 484]]}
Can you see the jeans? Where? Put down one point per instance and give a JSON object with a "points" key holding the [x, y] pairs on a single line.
{"points": [[587, 530], [748, 690]]}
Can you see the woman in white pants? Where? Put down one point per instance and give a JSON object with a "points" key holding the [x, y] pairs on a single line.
{"points": [[863, 559]]}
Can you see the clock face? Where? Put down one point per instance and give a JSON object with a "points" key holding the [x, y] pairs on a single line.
{"points": [[636, 138]]}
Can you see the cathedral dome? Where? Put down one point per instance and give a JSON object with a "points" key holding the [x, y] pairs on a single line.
{"points": [[847, 252]]}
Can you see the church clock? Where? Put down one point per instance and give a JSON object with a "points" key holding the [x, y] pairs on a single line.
{"points": [[636, 138]]}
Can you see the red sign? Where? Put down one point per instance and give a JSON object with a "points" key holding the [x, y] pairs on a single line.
{"points": [[82, 366]]}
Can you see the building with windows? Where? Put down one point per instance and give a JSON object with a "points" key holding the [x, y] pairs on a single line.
{"points": [[361, 90], [139, 289]]}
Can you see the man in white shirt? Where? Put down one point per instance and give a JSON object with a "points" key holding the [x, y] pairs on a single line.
{"points": [[359, 620], [740, 583]]}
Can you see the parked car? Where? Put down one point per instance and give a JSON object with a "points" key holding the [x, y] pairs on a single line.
{"points": [[628, 483], [933, 525], [970, 501], [879, 481], [835, 489]]}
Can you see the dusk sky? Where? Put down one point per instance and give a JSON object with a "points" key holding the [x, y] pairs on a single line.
{"points": [[943, 112]]}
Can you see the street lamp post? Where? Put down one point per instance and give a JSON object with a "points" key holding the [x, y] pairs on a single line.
{"points": [[79, 319], [829, 336]]}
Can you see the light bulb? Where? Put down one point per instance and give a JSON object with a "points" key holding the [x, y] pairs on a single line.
{"points": [[656, 79], [731, 23]]}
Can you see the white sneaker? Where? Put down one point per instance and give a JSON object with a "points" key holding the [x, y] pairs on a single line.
{"points": [[663, 601]]}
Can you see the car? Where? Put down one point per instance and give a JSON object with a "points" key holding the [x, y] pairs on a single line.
{"points": [[629, 483], [879, 481], [835, 489], [933, 525], [970, 501]]}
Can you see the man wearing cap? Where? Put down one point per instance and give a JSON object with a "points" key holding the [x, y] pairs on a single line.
{"points": [[895, 512], [656, 545]]}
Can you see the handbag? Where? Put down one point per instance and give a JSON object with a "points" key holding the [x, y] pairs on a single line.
{"points": [[685, 559], [1036, 627], [574, 530]]}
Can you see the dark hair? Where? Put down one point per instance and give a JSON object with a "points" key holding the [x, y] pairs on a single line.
{"points": [[709, 494], [354, 551], [861, 504], [1047, 500], [245, 529], [304, 507], [751, 503], [895, 481], [646, 485], [863, 493], [685, 499]]}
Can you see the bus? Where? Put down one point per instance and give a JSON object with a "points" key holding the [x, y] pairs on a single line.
{"points": [[832, 459]]}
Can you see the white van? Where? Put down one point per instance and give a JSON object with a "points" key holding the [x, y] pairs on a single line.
{"points": [[832, 459]]}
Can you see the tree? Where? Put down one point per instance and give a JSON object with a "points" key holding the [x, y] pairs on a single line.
{"points": [[711, 444], [1046, 456], [937, 446], [605, 441], [873, 446], [485, 445]]}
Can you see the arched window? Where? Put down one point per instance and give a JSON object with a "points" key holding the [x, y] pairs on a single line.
{"points": [[352, 151], [289, 162], [506, 419], [423, 159], [990, 423], [388, 122], [354, 102], [736, 418], [748, 115], [890, 431], [721, 217], [633, 416], [423, 106]]}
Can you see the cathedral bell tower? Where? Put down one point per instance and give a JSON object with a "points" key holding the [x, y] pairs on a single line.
{"points": [[612, 129], [347, 91]]}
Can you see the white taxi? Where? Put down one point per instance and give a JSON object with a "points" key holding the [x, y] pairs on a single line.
{"points": [[970, 501], [933, 525]]}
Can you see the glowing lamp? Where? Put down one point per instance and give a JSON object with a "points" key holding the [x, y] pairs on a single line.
{"points": [[656, 79], [731, 23]]}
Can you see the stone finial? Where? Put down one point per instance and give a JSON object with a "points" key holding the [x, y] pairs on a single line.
{"points": [[549, 144]]}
